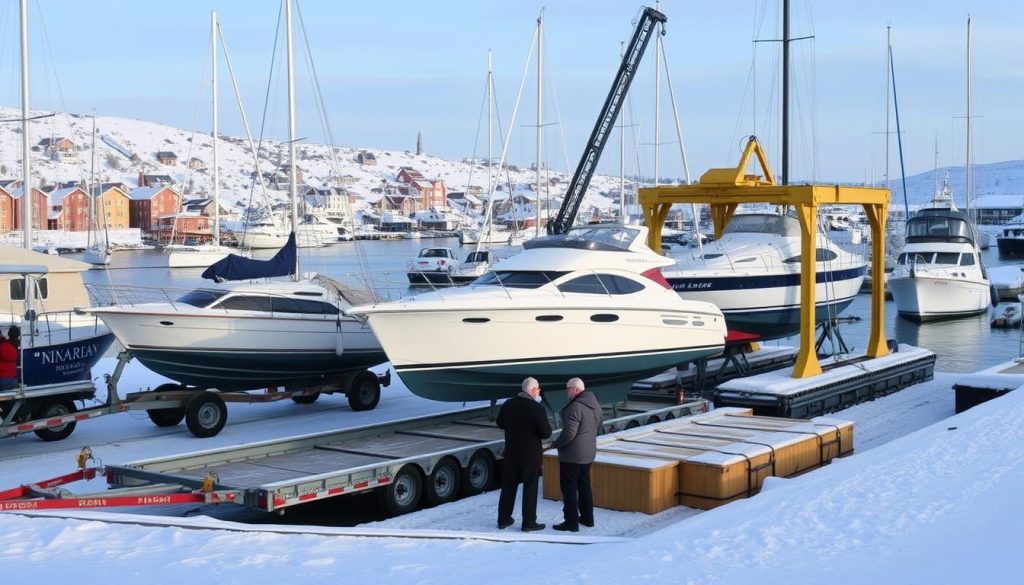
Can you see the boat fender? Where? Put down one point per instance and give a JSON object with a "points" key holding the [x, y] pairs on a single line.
{"points": [[994, 293]]}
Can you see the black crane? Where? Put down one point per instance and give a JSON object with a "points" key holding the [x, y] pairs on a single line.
{"points": [[612, 105]]}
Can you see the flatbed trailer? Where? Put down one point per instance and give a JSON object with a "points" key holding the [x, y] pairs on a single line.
{"points": [[425, 460], [204, 411]]}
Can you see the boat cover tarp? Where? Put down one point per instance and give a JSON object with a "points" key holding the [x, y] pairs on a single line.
{"points": [[235, 267]]}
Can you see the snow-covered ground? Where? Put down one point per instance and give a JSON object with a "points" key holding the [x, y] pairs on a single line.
{"points": [[927, 497]]}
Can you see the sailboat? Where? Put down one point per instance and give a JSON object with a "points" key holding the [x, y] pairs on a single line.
{"points": [[203, 255], [247, 335], [59, 346], [96, 253]]}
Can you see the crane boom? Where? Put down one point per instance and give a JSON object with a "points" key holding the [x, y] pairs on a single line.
{"points": [[599, 136]]}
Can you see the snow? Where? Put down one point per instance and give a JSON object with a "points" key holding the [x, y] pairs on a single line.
{"points": [[927, 497]]}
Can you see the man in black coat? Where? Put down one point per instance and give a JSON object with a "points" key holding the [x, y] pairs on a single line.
{"points": [[577, 447], [526, 424]]}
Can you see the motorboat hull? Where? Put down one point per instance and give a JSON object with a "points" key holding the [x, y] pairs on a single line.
{"points": [[64, 362], [923, 298], [768, 305], [242, 350], [483, 354], [610, 377], [197, 257]]}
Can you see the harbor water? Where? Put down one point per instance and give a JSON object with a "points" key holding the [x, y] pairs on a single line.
{"points": [[961, 345]]}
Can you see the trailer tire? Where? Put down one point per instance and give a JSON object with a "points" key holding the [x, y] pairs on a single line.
{"points": [[205, 414], [364, 392], [405, 491], [444, 482], [166, 417], [54, 407], [479, 473], [305, 398]]}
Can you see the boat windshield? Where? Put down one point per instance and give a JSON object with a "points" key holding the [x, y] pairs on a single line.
{"points": [[763, 223], [518, 278], [615, 238], [938, 228], [201, 297]]}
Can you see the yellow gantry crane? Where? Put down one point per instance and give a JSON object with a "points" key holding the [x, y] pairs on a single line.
{"points": [[726, 188]]}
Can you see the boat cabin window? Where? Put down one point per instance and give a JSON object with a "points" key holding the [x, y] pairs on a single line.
{"points": [[915, 258], [762, 223], [966, 259], [481, 256], [519, 279], [601, 284], [302, 306], [947, 258], [201, 297], [245, 303], [820, 255], [18, 289]]}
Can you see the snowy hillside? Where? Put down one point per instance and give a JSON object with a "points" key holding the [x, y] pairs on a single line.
{"points": [[999, 179], [119, 137]]}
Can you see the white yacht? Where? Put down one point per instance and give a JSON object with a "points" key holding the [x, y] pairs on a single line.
{"points": [[492, 234], [591, 303], [198, 255], [1011, 240], [752, 273], [939, 274]]}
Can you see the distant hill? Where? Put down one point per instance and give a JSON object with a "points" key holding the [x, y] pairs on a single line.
{"points": [[120, 138], [1003, 179]]}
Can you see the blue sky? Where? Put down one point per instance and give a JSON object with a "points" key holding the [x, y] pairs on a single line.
{"points": [[389, 70]]}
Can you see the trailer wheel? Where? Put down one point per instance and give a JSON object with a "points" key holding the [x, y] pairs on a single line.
{"points": [[205, 414], [364, 393], [479, 474], [443, 483], [404, 493], [53, 408], [166, 417], [305, 398]]}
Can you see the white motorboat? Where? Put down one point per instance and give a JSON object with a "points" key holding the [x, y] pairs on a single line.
{"points": [[243, 336], [1011, 240], [939, 274], [491, 234], [591, 303], [752, 273]]}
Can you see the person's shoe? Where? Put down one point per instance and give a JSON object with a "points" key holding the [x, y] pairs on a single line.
{"points": [[503, 524], [566, 527], [533, 527], [587, 523]]}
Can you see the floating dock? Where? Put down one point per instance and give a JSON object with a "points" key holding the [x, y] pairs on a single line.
{"points": [[702, 377], [842, 383], [982, 386]]}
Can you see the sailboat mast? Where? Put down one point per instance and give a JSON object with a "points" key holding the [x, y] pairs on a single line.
{"points": [[213, 132], [490, 104], [888, 97], [292, 185], [540, 111], [969, 183], [26, 149], [785, 92], [93, 191], [657, 103]]}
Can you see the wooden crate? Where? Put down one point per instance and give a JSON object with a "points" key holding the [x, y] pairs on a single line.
{"points": [[623, 481], [791, 453], [757, 461], [834, 436]]}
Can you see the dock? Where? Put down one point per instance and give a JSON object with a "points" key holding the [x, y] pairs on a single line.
{"points": [[984, 385], [842, 383]]}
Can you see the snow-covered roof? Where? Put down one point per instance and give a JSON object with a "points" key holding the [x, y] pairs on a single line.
{"points": [[144, 193], [999, 202]]}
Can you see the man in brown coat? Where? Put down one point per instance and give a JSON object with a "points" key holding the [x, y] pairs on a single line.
{"points": [[526, 424], [577, 447]]}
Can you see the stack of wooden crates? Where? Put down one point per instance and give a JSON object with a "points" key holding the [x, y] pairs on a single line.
{"points": [[703, 461]]}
